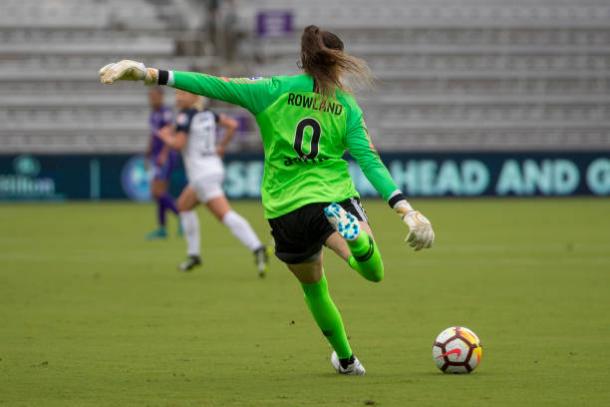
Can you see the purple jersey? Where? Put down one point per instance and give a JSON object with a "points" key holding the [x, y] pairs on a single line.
{"points": [[157, 120]]}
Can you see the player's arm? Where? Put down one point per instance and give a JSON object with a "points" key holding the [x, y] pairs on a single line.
{"points": [[173, 138], [252, 94], [176, 136], [421, 234], [230, 126]]}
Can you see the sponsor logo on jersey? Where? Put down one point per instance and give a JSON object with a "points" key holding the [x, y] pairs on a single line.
{"points": [[288, 161], [182, 119]]}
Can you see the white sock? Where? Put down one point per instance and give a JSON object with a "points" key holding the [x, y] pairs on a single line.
{"points": [[242, 230], [190, 226]]}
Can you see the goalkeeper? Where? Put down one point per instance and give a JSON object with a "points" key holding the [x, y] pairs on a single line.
{"points": [[307, 122]]}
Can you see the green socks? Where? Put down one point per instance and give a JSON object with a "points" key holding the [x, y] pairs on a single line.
{"points": [[365, 258], [327, 316]]}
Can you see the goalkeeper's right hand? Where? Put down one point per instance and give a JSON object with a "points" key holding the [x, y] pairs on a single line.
{"points": [[127, 70]]}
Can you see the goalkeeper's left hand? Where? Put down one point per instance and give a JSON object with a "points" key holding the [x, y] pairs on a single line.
{"points": [[421, 234], [127, 70]]}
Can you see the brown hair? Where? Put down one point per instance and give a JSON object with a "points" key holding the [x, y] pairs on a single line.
{"points": [[323, 57]]}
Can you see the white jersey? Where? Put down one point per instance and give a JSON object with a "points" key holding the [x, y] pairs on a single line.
{"points": [[199, 154]]}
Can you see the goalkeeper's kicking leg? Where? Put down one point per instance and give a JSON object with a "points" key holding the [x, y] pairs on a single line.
{"points": [[354, 242]]}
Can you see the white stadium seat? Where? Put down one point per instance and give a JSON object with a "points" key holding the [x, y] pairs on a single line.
{"points": [[452, 74]]}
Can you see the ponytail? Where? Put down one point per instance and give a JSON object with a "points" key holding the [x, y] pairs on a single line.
{"points": [[323, 57]]}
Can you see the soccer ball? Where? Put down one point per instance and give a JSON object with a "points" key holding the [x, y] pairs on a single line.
{"points": [[457, 350]]}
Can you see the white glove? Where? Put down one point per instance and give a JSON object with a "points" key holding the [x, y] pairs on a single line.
{"points": [[127, 70], [421, 235]]}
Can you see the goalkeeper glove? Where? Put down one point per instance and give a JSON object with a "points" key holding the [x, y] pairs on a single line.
{"points": [[127, 70], [421, 235]]}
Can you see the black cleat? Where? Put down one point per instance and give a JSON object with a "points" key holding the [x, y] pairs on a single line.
{"points": [[190, 263], [261, 259]]}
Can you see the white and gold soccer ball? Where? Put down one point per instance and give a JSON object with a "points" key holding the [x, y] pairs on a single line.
{"points": [[457, 350]]}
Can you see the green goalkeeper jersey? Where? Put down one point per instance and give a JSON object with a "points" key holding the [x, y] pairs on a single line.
{"points": [[304, 137]]}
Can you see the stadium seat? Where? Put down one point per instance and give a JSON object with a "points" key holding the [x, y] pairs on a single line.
{"points": [[451, 73]]}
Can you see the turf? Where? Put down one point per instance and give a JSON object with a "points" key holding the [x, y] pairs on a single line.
{"points": [[91, 314]]}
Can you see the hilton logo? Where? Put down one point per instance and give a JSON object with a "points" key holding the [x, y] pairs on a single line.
{"points": [[25, 183]]}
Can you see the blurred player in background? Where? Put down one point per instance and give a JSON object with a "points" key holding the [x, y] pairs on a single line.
{"points": [[307, 123], [163, 160], [195, 135]]}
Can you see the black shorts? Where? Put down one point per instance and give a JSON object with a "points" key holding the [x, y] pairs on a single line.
{"points": [[301, 233]]}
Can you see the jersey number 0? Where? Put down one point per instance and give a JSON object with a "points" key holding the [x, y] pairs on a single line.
{"points": [[315, 138]]}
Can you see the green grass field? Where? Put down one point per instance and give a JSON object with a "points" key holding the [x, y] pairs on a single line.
{"points": [[91, 314]]}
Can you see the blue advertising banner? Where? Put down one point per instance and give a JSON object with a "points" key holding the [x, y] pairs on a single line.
{"points": [[120, 176], [498, 174], [58, 177]]}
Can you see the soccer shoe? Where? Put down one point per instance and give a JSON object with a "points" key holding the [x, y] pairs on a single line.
{"points": [[344, 222], [261, 259], [190, 263], [159, 233], [352, 368]]}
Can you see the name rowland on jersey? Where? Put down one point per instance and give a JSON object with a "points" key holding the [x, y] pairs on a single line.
{"points": [[313, 103]]}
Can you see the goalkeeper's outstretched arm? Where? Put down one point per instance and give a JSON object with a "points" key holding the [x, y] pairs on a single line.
{"points": [[252, 94]]}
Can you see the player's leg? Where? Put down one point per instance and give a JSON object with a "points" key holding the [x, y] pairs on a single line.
{"points": [[353, 240], [298, 243], [165, 173], [315, 287], [221, 209], [159, 191], [158, 188], [166, 200], [168, 167], [169, 202], [190, 225]]}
